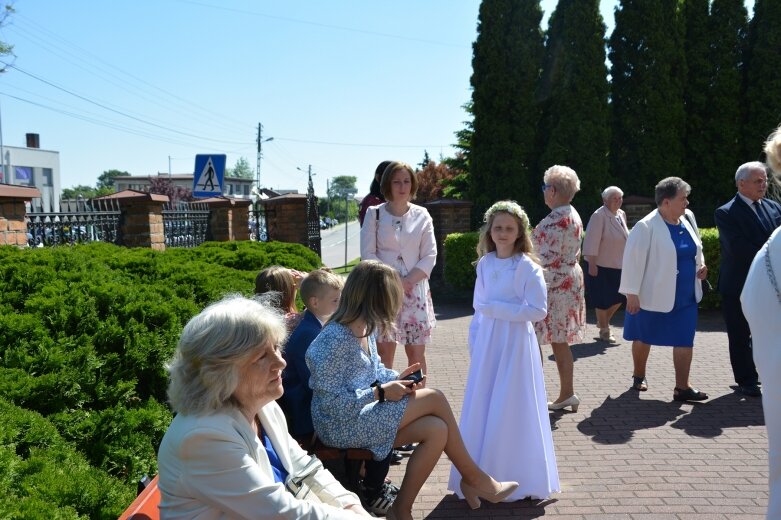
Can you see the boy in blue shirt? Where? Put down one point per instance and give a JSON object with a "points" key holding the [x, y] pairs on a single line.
{"points": [[320, 290]]}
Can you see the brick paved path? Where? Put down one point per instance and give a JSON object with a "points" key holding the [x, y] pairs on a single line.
{"points": [[624, 454]]}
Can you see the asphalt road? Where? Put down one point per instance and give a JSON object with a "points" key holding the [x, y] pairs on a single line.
{"points": [[332, 244]]}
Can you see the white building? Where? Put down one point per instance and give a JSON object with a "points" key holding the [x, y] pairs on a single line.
{"points": [[33, 167], [234, 187]]}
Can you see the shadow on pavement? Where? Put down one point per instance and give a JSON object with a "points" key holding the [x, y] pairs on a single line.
{"points": [[449, 311], [452, 507], [616, 420], [710, 418], [584, 350]]}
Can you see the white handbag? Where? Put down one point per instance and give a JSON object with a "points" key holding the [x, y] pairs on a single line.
{"points": [[303, 485]]}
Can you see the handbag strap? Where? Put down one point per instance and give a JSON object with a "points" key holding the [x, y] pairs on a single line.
{"points": [[770, 273]]}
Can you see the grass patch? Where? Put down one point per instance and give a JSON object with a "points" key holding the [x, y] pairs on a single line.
{"points": [[345, 269]]}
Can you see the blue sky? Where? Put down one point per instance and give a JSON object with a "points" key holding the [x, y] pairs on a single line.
{"points": [[340, 85]]}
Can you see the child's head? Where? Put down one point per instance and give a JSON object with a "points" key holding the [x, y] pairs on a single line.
{"points": [[278, 279], [373, 294], [320, 291], [523, 243]]}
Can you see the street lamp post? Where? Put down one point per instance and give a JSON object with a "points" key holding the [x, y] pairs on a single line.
{"points": [[257, 193], [347, 193]]}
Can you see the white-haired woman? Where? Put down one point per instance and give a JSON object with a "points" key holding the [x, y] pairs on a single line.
{"points": [[557, 242], [761, 302], [227, 453], [603, 249]]}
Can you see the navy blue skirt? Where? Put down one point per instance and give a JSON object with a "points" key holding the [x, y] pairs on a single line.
{"points": [[674, 328], [602, 289]]}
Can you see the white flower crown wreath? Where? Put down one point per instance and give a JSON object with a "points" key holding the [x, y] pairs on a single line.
{"points": [[508, 206]]}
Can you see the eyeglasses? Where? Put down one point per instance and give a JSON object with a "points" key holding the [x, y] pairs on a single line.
{"points": [[546, 186]]}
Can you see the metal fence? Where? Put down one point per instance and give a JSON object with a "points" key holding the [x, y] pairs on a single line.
{"points": [[258, 230], [78, 221], [185, 223]]}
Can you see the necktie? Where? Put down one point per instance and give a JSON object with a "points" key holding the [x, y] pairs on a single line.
{"points": [[762, 217]]}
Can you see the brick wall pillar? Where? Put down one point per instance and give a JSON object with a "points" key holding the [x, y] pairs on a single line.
{"points": [[286, 218], [449, 216], [228, 219], [13, 213], [141, 224], [637, 207]]}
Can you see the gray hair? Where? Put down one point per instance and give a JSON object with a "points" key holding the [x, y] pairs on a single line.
{"points": [[564, 179], [669, 187], [744, 170], [773, 152], [610, 190], [204, 371]]}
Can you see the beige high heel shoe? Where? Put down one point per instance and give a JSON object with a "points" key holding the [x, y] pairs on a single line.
{"points": [[473, 495], [573, 401]]}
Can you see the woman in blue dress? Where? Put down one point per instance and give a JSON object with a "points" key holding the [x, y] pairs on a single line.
{"points": [[661, 276], [358, 403]]}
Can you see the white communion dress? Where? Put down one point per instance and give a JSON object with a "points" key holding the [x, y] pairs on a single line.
{"points": [[504, 420]]}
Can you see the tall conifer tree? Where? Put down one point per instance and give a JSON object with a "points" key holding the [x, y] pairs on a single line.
{"points": [[728, 27], [506, 67], [648, 72], [574, 129], [695, 96], [763, 88]]}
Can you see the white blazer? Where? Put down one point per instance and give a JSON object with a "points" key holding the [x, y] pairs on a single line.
{"points": [[650, 262], [415, 244], [214, 467]]}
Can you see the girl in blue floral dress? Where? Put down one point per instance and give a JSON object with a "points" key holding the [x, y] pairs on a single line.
{"points": [[358, 403]]}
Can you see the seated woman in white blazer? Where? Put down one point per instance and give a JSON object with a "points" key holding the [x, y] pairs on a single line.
{"points": [[227, 453], [661, 276]]}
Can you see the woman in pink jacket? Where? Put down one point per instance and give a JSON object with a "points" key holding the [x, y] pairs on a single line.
{"points": [[401, 234], [603, 249]]}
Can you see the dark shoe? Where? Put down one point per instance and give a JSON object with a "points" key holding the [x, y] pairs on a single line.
{"points": [[690, 394], [406, 447], [750, 390], [389, 488], [396, 457], [639, 383], [379, 504]]}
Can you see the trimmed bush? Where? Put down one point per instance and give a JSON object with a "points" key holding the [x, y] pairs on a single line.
{"points": [[460, 252], [85, 332]]}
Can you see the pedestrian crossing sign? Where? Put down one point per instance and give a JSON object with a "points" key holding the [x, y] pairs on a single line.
{"points": [[208, 176]]}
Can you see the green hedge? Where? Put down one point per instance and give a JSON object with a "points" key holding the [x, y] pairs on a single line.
{"points": [[85, 332], [43, 476], [460, 252]]}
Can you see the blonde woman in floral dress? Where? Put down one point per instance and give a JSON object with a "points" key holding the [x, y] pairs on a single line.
{"points": [[557, 241]]}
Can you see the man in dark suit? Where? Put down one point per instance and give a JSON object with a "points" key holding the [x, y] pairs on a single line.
{"points": [[744, 223]]}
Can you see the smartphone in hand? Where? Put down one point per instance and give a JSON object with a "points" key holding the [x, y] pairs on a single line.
{"points": [[415, 377]]}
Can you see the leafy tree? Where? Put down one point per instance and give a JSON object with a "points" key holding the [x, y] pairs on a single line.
{"points": [[86, 192], [432, 181], [506, 60], [106, 179], [728, 28], [6, 48], [426, 160], [696, 97], [648, 71], [242, 169], [457, 187], [340, 184], [763, 87], [164, 186], [574, 129]]}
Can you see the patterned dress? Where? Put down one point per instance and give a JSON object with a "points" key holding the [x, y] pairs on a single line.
{"points": [[557, 242], [344, 412]]}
